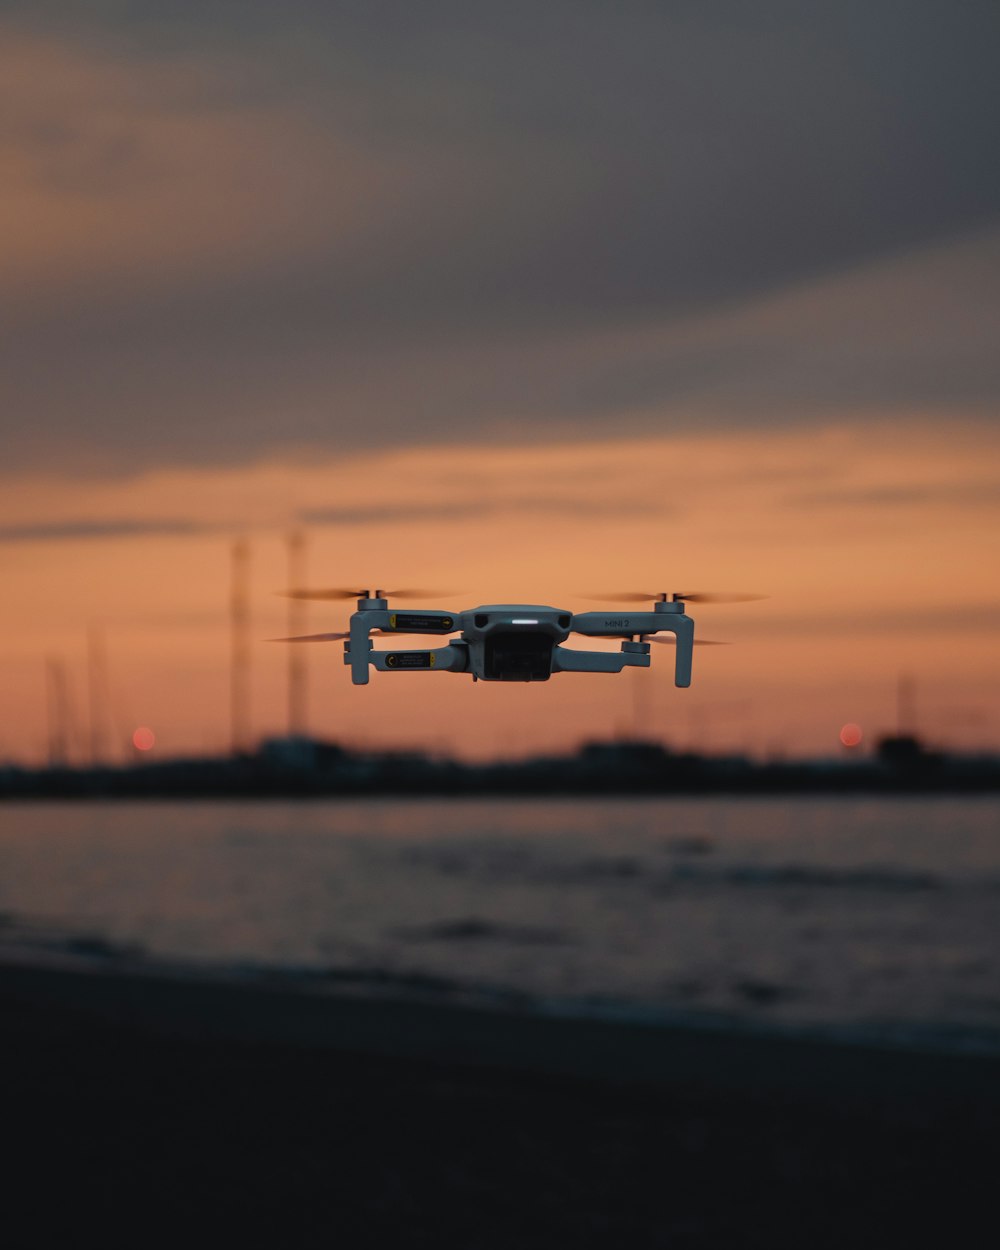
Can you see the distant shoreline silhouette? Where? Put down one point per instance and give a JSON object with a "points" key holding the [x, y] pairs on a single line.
{"points": [[307, 767]]}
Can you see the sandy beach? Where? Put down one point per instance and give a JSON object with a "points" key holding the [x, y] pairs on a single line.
{"points": [[146, 1107]]}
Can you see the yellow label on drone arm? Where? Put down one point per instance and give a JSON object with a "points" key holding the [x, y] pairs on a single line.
{"points": [[421, 622], [410, 659]]}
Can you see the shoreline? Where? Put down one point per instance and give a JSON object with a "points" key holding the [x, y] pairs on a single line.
{"points": [[154, 1105], [305, 767], [257, 1007], [83, 790]]}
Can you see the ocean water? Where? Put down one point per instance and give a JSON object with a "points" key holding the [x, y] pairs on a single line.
{"points": [[873, 917]]}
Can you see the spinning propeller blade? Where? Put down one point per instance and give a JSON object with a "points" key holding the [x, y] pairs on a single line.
{"points": [[312, 638], [338, 592], [709, 597], [385, 633], [664, 597], [322, 594], [627, 597], [415, 594], [671, 641]]}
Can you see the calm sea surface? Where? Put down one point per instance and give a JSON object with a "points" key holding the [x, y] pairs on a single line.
{"points": [[878, 917]]}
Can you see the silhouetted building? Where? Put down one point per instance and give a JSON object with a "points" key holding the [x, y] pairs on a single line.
{"points": [[905, 755]]}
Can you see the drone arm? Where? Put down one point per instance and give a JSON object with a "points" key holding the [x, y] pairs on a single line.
{"points": [[565, 660], [453, 658], [669, 618], [359, 653]]}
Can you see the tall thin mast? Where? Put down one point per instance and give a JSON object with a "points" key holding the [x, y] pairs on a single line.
{"points": [[57, 702], [297, 624], [97, 695], [239, 690]]}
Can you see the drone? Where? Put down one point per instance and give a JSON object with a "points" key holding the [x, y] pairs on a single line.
{"points": [[512, 642]]}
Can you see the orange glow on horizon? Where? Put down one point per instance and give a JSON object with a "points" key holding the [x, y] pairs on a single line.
{"points": [[244, 299], [847, 531]]}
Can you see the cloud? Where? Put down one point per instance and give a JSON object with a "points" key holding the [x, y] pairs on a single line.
{"points": [[214, 512], [230, 230], [972, 494], [128, 527], [475, 509]]}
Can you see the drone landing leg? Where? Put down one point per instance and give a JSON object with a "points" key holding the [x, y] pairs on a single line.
{"points": [[683, 627], [358, 650]]}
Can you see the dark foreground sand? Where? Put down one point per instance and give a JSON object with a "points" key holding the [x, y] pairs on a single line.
{"points": [[151, 1110]]}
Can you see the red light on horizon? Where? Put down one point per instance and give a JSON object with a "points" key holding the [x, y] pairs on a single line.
{"points": [[851, 735], [144, 739]]}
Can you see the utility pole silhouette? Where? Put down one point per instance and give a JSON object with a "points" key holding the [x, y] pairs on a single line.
{"points": [[57, 705], [97, 694], [297, 616], [239, 688]]}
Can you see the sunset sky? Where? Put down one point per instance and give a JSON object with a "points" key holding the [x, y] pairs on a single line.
{"points": [[526, 302]]}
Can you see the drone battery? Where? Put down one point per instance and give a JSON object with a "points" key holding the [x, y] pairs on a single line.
{"points": [[421, 622], [410, 659]]}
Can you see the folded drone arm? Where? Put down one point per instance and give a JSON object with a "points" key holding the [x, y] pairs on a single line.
{"points": [[637, 624], [453, 658], [564, 660], [359, 653]]}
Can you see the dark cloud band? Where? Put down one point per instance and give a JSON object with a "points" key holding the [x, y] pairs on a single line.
{"points": [[468, 220]]}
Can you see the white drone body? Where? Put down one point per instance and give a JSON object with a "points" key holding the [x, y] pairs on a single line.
{"points": [[514, 642]]}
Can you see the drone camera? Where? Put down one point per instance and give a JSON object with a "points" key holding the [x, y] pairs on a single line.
{"points": [[516, 642], [524, 655]]}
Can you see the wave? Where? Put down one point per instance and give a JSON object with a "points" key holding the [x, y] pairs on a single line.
{"points": [[19, 934], [807, 876], [384, 980], [755, 1005], [475, 929], [515, 864]]}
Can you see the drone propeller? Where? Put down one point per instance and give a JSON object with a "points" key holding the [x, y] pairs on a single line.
{"points": [[343, 593], [312, 638], [337, 637], [664, 597], [671, 641], [710, 597]]}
